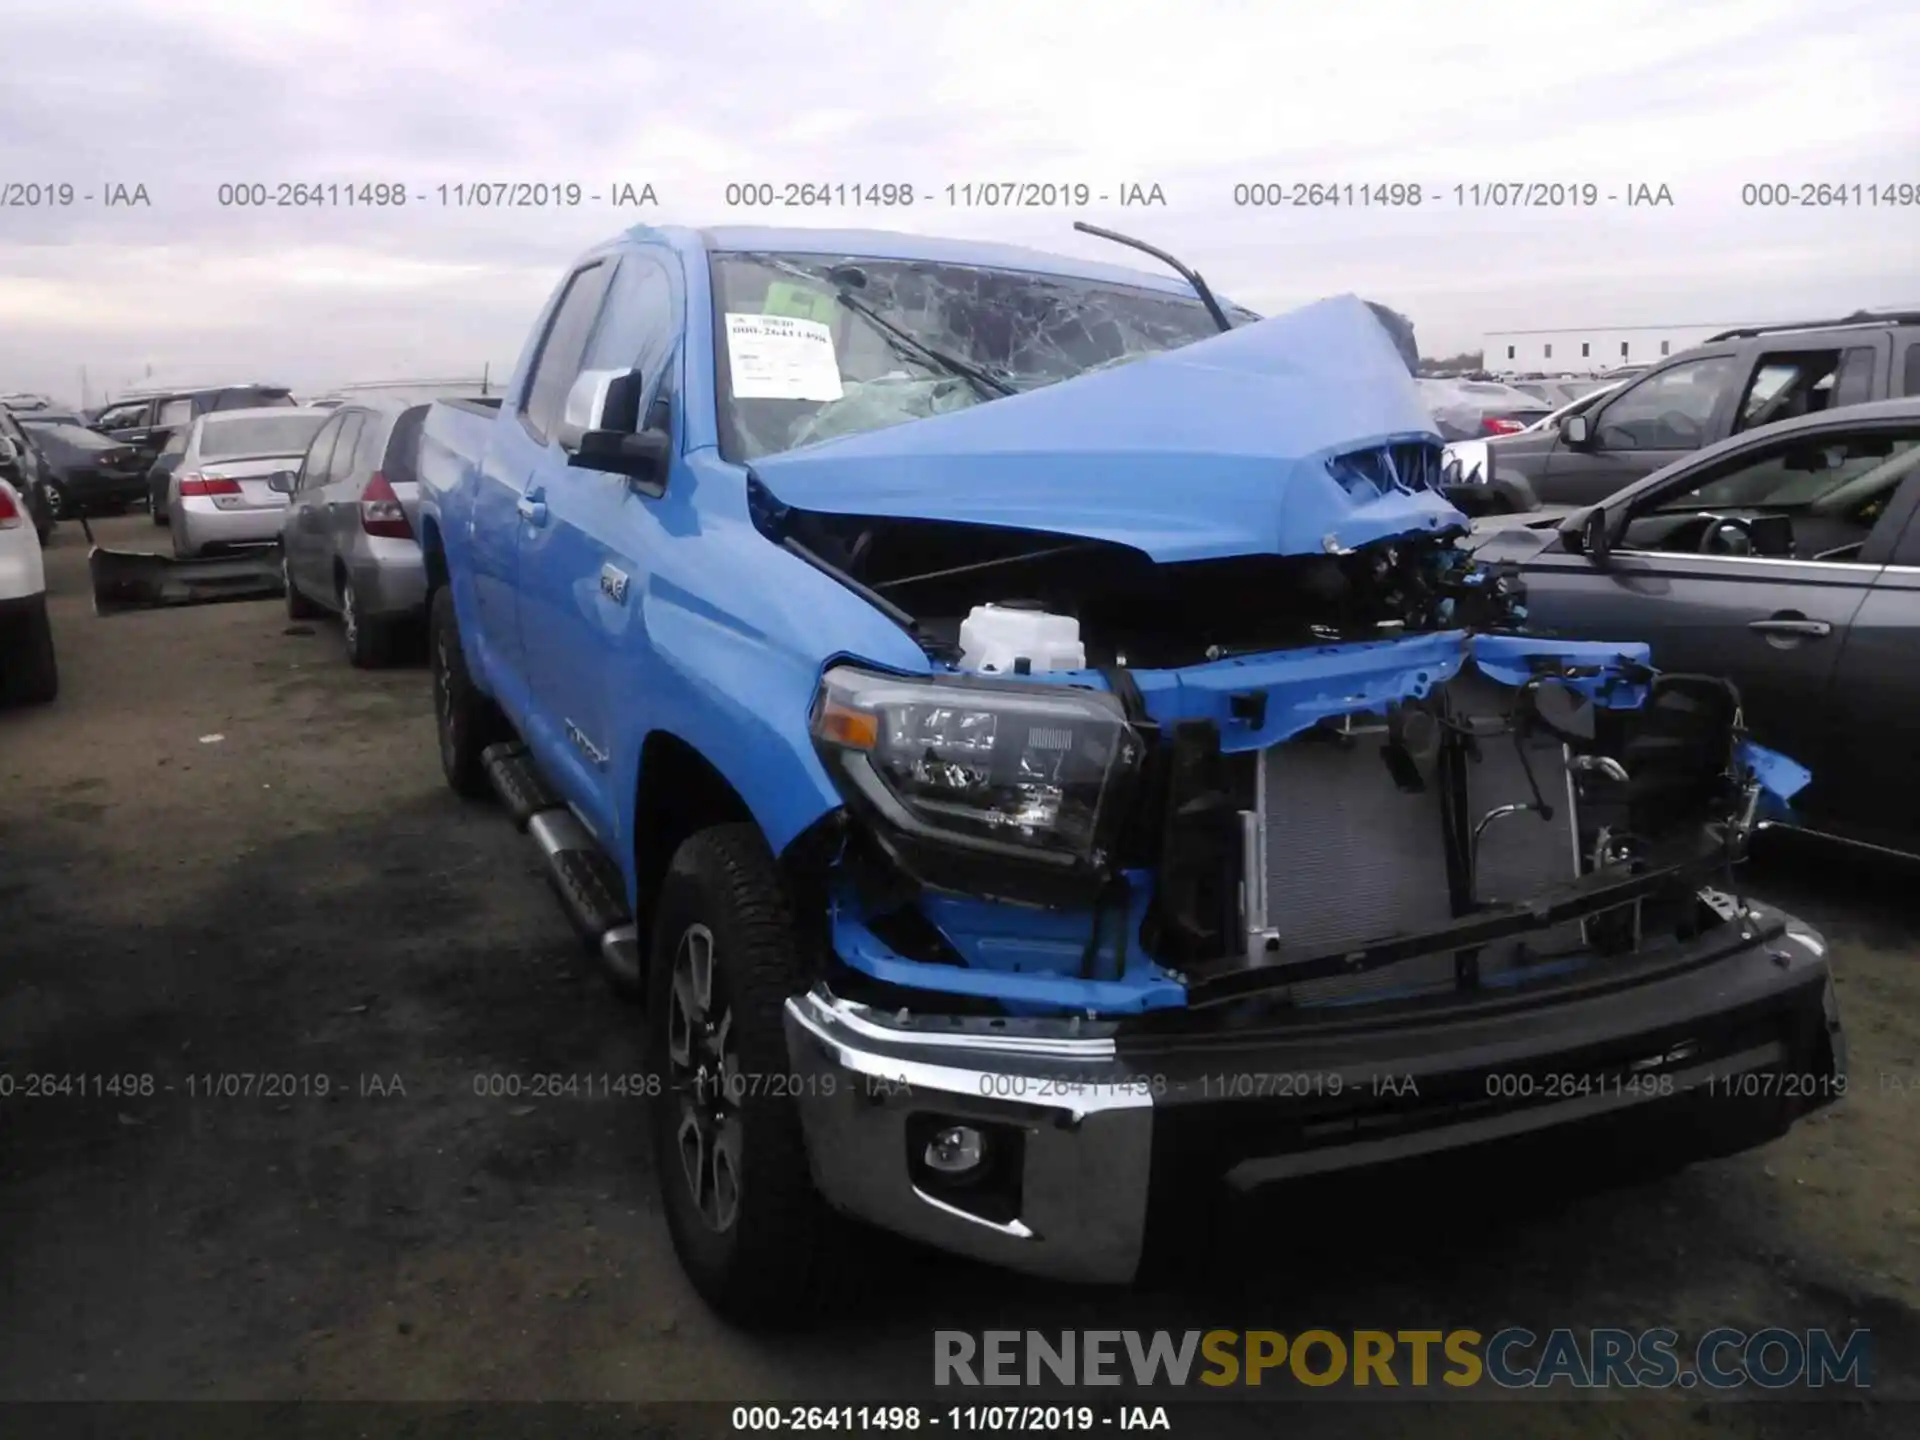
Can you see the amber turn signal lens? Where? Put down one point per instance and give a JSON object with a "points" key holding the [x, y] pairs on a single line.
{"points": [[841, 724]]}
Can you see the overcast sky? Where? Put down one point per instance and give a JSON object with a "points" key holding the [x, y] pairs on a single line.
{"points": [[182, 96]]}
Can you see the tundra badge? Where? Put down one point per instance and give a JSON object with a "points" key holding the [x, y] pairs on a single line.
{"points": [[613, 583]]}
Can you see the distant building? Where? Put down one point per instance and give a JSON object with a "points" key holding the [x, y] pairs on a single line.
{"points": [[1590, 349]]}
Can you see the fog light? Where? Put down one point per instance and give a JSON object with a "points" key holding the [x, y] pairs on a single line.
{"points": [[956, 1150]]}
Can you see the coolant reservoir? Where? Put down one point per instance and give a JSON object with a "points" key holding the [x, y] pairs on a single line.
{"points": [[994, 639]]}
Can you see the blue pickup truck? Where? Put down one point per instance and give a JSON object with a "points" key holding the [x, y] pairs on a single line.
{"points": [[1025, 734]]}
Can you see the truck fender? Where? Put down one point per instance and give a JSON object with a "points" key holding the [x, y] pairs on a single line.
{"points": [[740, 705]]}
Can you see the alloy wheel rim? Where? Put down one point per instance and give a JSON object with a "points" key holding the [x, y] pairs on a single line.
{"points": [[443, 694], [704, 1074]]}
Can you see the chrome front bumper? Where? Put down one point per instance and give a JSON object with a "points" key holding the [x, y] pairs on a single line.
{"points": [[1087, 1127], [1103, 1120]]}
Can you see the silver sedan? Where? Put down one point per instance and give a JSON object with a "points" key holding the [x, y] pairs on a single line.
{"points": [[219, 494]]}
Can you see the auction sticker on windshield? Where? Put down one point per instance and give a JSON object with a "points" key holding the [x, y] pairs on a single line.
{"points": [[781, 357]]}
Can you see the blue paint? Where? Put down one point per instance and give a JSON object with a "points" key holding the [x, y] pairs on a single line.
{"points": [[1266, 440]]}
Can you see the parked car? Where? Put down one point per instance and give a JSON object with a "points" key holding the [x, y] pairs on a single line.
{"points": [[220, 494], [1737, 381], [88, 473], [347, 538], [29, 672], [1559, 391], [25, 468], [1056, 755], [1787, 558], [1470, 461], [147, 419], [1470, 409]]}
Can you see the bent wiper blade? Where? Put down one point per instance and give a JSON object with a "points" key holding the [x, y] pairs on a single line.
{"points": [[952, 364], [1192, 277]]}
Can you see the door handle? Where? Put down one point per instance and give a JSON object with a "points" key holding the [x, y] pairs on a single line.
{"points": [[1791, 625], [532, 508]]}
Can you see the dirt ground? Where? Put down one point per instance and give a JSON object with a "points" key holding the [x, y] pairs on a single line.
{"points": [[224, 851]]}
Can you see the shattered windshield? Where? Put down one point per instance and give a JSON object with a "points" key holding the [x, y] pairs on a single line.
{"points": [[798, 364]]}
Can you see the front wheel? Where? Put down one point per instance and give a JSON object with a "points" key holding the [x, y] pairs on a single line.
{"points": [[754, 1236], [467, 721]]}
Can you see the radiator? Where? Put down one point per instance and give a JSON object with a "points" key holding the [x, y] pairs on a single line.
{"points": [[1339, 855]]}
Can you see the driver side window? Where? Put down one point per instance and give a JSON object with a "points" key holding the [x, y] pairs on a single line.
{"points": [[1792, 475], [1813, 497], [1672, 410]]}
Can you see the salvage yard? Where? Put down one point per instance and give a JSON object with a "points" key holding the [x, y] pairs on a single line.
{"points": [[223, 852]]}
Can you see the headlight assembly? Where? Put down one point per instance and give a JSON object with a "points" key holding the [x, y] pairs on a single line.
{"points": [[1029, 770]]}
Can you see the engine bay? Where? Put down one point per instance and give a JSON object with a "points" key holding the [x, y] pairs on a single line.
{"points": [[1132, 611]]}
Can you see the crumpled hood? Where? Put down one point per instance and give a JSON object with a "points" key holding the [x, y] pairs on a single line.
{"points": [[1217, 449]]}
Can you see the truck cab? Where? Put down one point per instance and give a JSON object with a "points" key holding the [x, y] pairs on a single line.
{"points": [[1029, 737]]}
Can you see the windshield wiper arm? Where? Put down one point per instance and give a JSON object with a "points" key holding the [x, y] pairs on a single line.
{"points": [[1192, 277], [952, 364]]}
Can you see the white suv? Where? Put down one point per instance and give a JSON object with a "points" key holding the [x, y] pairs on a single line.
{"points": [[27, 672]]}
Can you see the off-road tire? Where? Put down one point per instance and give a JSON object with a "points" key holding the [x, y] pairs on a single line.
{"points": [[369, 643], [29, 674], [299, 607], [467, 721], [783, 1260]]}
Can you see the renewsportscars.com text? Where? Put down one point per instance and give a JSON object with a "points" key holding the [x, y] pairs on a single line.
{"points": [[1510, 1358]]}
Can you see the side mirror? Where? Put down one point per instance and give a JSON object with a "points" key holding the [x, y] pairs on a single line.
{"points": [[1577, 431], [642, 456], [599, 400], [1596, 536], [281, 482]]}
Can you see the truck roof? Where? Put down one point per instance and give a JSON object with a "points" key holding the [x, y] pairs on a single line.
{"points": [[900, 245]]}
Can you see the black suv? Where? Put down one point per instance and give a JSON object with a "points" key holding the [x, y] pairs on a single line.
{"points": [[1738, 380], [148, 419]]}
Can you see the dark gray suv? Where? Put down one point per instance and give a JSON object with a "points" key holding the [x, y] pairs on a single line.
{"points": [[1736, 382], [147, 419]]}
